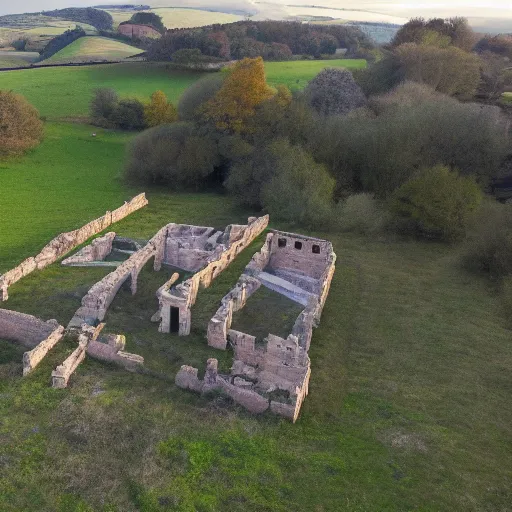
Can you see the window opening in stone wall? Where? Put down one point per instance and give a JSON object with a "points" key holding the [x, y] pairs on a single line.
{"points": [[281, 242], [316, 249], [298, 245]]}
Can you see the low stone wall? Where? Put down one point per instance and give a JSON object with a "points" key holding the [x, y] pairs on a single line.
{"points": [[31, 332], [97, 250], [63, 372], [113, 354], [98, 299], [66, 242], [184, 295]]}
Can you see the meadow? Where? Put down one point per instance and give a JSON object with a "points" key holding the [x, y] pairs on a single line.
{"points": [[409, 398], [66, 92], [93, 48]]}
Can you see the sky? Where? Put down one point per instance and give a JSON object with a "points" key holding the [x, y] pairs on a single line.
{"points": [[498, 9]]}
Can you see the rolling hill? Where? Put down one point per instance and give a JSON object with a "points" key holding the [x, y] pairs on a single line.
{"points": [[93, 49]]}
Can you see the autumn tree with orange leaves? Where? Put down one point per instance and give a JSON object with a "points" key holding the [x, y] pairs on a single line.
{"points": [[243, 90], [20, 126]]}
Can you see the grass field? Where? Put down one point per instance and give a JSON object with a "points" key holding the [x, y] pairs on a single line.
{"points": [[410, 389], [66, 92], [87, 49]]}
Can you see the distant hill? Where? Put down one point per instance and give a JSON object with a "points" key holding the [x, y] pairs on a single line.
{"points": [[93, 49]]}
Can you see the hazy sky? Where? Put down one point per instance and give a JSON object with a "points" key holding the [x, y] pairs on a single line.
{"points": [[404, 8]]}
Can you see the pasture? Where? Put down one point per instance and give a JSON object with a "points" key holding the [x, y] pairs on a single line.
{"points": [[87, 49], [66, 92], [409, 397], [408, 408]]}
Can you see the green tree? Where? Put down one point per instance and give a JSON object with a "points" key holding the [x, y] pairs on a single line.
{"points": [[437, 203], [159, 111]]}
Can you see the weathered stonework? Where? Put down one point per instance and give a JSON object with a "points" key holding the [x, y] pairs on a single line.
{"points": [[65, 242], [208, 253], [97, 250], [32, 333], [301, 268]]}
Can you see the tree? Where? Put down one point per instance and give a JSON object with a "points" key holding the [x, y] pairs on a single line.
{"points": [[103, 106], [174, 155], [20, 126], [159, 110], [448, 70], [129, 115], [334, 92], [148, 18], [200, 92], [437, 203], [61, 41], [243, 90]]}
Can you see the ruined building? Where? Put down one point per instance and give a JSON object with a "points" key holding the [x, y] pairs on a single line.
{"points": [[274, 375]]}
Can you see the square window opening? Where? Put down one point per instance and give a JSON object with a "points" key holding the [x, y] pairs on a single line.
{"points": [[281, 242], [316, 249], [298, 245]]}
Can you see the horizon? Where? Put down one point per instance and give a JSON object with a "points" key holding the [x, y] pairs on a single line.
{"points": [[500, 10]]}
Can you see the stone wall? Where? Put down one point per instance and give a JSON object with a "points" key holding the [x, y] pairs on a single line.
{"points": [[184, 295], [113, 354], [66, 242], [98, 299], [63, 372], [97, 250], [31, 332]]}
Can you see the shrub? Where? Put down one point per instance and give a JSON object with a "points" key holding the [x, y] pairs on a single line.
{"points": [[437, 203], [300, 191], [359, 213], [159, 110], [20, 126], [173, 155], [20, 44], [334, 92], [129, 115], [198, 94], [488, 247], [103, 106]]}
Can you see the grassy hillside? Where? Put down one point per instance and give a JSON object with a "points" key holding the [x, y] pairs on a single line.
{"points": [[409, 398], [66, 92], [174, 17], [88, 49]]}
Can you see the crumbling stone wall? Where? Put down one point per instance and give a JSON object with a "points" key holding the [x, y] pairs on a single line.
{"points": [[97, 250], [32, 333], [303, 268], [184, 295], [98, 299], [66, 242]]}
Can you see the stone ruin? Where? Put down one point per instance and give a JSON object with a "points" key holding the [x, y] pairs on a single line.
{"points": [[274, 376]]}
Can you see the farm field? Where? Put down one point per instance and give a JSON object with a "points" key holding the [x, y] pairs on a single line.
{"points": [[93, 48], [408, 405], [174, 17], [66, 92]]}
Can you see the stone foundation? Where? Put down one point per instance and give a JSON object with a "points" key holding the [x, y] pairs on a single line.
{"points": [[66, 242]]}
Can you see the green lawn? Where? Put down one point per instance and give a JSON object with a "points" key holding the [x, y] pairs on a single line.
{"points": [[66, 92], [409, 405]]}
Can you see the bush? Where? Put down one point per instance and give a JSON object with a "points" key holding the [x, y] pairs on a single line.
{"points": [[359, 213], [437, 203], [129, 115], [198, 94], [173, 155], [488, 247], [20, 44], [300, 191], [334, 92], [103, 106], [159, 110], [20, 126]]}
